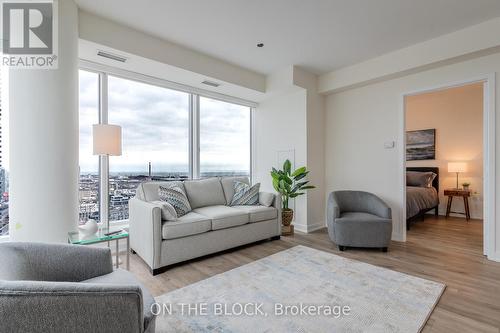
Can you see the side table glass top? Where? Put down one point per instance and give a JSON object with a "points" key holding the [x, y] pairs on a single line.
{"points": [[75, 237]]}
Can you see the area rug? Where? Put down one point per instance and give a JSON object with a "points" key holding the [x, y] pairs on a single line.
{"points": [[301, 290]]}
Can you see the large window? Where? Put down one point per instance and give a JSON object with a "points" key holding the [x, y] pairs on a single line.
{"points": [[224, 139], [155, 138], [167, 134], [89, 164]]}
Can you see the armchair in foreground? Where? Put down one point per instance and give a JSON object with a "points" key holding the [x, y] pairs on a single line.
{"points": [[358, 219], [69, 288]]}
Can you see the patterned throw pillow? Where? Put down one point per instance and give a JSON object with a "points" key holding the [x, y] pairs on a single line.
{"points": [[244, 195], [177, 198]]}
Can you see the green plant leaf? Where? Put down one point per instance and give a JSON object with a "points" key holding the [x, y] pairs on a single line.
{"points": [[276, 185], [307, 187], [287, 167], [298, 186], [287, 187], [299, 171], [288, 180], [302, 175]]}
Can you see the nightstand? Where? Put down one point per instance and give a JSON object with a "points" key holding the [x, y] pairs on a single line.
{"points": [[465, 194]]}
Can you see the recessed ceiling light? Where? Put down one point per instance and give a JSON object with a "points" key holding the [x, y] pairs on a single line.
{"points": [[260, 45]]}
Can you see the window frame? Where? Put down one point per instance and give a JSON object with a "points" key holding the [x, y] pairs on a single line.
{"points": [[104, 72]]}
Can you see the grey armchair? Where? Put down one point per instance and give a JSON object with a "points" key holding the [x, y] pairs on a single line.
{"points": [[69, 288], [358, 219]]}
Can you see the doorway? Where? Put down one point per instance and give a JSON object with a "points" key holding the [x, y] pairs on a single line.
{"points": [[449, 131]]}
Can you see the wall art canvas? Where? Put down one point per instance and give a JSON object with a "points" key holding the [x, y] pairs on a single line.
{"points": [[421, 145]]}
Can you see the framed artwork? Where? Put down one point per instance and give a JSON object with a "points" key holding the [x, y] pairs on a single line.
{"points": [[421, 145]]}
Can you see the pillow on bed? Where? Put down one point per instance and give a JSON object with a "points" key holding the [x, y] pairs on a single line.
{"points": [[420, 179]]}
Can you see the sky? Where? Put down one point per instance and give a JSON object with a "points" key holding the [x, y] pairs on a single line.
{"points": [[155, 128]]}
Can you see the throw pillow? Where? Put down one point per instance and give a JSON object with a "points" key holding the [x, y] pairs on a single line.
{"points": [[245, 195], [266, 199], [168, 212], [420, 179], [177, 198]]}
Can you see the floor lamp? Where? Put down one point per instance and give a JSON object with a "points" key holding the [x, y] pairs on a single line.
{"points": [[107, 141]]}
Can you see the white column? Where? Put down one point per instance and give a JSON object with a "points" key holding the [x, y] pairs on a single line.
{"points": [[44, 142]]}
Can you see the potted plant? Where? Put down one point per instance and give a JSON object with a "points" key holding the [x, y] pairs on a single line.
{"points": [[465, 186], [289, 185]]}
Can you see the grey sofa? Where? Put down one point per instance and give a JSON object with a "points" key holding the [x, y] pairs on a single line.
{"points": [[69, 288], [210, 227], [358, 219]]}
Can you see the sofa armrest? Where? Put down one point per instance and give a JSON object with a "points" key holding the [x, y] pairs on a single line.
{"points": [[39, 306], [52, 262], [145, 230]]}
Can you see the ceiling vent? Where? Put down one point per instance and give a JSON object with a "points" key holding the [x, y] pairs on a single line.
{"points": [[111, 56], [211, 84]]}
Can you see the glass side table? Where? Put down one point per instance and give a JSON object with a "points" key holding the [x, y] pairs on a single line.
{"points": [[75, 237]]}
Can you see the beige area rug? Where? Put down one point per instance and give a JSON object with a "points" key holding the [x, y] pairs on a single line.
{"points": [[301, 290]]}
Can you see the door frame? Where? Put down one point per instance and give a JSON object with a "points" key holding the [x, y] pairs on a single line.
{"points": [[489, 158]]}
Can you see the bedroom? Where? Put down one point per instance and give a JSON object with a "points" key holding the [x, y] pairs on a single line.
{"points": [[444, 158]]}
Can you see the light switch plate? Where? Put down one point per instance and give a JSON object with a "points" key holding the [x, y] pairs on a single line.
{"points": [[389, 144]]}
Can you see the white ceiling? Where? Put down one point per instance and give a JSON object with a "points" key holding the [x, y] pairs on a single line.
{"points": [[318, 35]]}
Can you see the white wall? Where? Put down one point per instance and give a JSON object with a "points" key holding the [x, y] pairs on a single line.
{"points": [[315, 125], [280, 126], [43, 124], [358, 121], [457, 116], [291, 119]]}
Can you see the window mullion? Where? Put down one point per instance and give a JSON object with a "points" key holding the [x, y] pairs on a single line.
{"points": [[194, 136], [103, 160]]}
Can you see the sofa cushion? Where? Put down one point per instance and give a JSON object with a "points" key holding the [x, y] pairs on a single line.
{"points": [[204, 192], [245, 195], [259, 213], [223, 216], [228, 186], [189, 224], [148, 191], [176, 197], [123, 277]]}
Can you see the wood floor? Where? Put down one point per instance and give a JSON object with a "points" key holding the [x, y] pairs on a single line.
{"points": [[439, 249]]}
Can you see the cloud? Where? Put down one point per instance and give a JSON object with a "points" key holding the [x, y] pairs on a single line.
{"points": [[155, 127]]}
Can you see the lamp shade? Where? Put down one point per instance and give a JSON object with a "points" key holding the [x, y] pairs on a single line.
{"points": [[107, 139], [457, 167]]}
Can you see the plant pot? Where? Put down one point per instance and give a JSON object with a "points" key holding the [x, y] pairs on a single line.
{"points": [[287, 216], [465, 187]]}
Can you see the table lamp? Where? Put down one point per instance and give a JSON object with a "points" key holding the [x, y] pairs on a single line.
{"points": [[107, 141], [457, 167]]}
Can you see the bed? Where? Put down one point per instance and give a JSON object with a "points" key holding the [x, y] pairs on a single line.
{"points": [[421, 199]]}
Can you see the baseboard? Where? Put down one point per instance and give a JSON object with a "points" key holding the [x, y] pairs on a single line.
{"points": [[398, 237], [307, 228], [494, 257]]}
